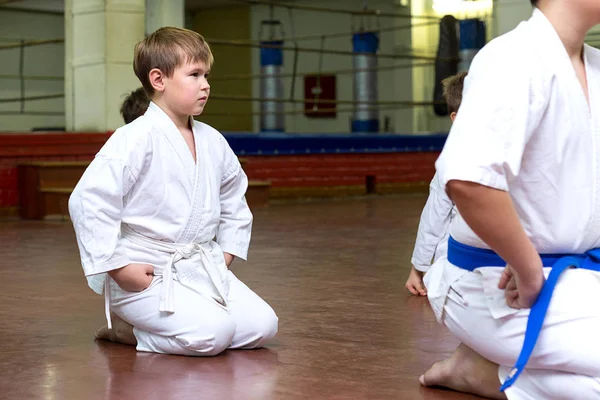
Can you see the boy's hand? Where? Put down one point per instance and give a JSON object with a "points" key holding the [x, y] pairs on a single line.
{"points": [[228, 259], [414, 284], [133, 277], [492, 216], [521, 292]]}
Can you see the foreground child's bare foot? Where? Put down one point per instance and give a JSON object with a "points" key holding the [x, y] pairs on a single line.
{"points": [[121, 332], [467, 372]]}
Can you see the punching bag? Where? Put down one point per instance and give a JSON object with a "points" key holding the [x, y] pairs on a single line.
{"points": [[365, 117], [446, 63], [271, 87]]}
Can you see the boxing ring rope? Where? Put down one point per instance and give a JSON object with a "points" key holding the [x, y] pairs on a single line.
{"points": [[32, 98], [384, 105], [320, 106], [22, 78], [332, 72], [30, 43], [406, 105], [361, 12], [593, 39], [414, 61], [236, 43], [36, 113], [33, 77], [392, 28], [322, 101]]}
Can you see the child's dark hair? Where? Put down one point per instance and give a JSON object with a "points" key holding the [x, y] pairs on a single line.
{"points": [[533, 2], [135, 105], [453, 88]]}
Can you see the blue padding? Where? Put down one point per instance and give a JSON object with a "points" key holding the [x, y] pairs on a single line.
{"points": [[370, 125], [365, 42], [271, 55], [272, 131], [482, 35], [294, 144]]}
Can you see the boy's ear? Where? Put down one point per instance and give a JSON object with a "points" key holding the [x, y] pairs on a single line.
{"points": [[453, 115], [157, 79]]}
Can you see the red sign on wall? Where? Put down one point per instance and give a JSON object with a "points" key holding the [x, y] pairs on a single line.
{"points": [[320, 96]]}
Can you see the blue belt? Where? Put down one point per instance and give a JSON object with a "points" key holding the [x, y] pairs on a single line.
{"points": [[470, 258]]}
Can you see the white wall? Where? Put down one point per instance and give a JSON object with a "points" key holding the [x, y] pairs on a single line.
{"points": [[509, 13], [392, 85], [161, 13], [44, 60]]}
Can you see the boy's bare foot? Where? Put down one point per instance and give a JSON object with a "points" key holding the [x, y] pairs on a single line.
{"points": [[465, 371], [121, 332]]}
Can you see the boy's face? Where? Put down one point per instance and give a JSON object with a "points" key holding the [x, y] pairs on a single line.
{"points": [[588, 9], [593, 9], [187, 91]]}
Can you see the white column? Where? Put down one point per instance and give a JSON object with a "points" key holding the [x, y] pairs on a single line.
{"points": [[402, 121], [161, 13], [100, 36]]}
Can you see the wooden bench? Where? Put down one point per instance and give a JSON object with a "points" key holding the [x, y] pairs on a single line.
{"points": [[45, 187]]}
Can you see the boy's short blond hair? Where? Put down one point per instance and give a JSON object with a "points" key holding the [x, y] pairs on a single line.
{"points": [[453, 88], [166, 49]]}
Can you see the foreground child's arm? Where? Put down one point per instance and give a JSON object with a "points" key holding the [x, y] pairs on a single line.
{"points": [[228, 258], [434, 223], [491, 215], [235, 224], [96, 206]]}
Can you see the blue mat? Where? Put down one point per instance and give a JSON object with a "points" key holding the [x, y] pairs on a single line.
{"points": [[268, 144]]}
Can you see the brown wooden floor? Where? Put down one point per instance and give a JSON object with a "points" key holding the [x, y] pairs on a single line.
{"points": [[333, 270]]}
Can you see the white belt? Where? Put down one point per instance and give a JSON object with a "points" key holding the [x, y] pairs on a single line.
{"points": [[186, 275]]}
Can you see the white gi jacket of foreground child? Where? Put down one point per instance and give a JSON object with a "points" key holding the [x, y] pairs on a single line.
{"points": [[439, 210], [522, 164], [160, 214]]}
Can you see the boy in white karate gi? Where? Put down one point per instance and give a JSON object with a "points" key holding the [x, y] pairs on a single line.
{"points": [[434, 227], [160, 215], [522, 165]]}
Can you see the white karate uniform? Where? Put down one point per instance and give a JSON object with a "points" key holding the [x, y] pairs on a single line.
{"points": [[525, 127], [434, 227], [143, 199]]}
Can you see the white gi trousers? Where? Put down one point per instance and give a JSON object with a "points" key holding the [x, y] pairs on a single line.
{"points": [[199, 326], [192, 307], [565, 363]]}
